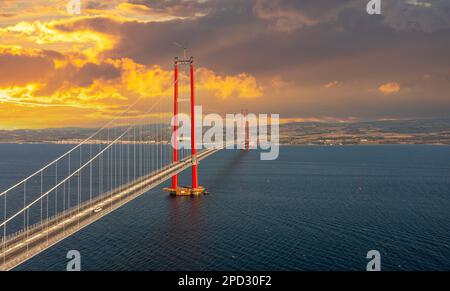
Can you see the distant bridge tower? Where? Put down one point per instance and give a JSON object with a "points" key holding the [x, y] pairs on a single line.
{"points": [[195, 189], [246, 130]]}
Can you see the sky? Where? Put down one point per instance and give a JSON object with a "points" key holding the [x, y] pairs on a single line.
{"points": [[307, 60]]}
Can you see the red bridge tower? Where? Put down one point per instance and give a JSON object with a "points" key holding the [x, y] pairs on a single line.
{"points": [[195, 189]]}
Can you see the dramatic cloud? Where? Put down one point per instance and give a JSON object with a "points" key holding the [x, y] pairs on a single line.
{"points": [[20, 67], [307, 60], [415, 15], [389, 88], [332, 84], [41, 79]]}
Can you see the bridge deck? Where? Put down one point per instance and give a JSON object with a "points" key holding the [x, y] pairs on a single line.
{"points": [[38, 238]]}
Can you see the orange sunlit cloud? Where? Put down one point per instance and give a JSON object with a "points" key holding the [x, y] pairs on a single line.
{"points": [[332, 84], [389, 88], [59, 65], [257, 55], [243, 85], [14, 11], [68, 35], [50, 68], [135, 8]]}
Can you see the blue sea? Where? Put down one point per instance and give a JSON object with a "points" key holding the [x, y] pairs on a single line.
{"points": [[315, 208]]}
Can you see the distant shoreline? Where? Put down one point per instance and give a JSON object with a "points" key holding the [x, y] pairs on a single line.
{"points": [[392, 132], [281, 144]]}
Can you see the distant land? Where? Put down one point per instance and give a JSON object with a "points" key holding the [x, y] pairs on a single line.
{"points": [[422, 131], [419, 131]]}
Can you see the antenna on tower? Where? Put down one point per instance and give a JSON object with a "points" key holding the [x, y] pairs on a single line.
{"points": [[184, 47]]}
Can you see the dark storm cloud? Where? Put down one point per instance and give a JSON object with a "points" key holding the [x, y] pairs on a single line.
{"points": [[418, 15], [272, 36], [315, 8], [86, 75], [100, 24], [83, 76], [306, 43], [178, 7], [96, 5], [267, 36], [207, 36], [23, 69]]}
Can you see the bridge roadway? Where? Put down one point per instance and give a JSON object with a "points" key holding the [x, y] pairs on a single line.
{"points": [[25, 245]]}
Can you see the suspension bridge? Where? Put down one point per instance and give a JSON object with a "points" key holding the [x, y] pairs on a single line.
{"points": [[122, 160]]}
